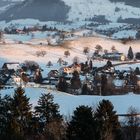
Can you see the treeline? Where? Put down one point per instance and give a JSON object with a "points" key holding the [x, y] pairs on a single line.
{"points": [[19, 121]]}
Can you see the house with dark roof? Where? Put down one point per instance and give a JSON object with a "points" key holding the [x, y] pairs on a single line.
{"points": [[114, 56]]}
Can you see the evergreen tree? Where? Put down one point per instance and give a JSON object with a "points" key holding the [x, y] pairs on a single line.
{"points": [[5, 104], [85, 90], [62, 85], [103, 84], [137, 71], [82, 125], [25, 29], [107, 121], [90, 65], [130, 54], [109, 64], [20, 114], [44, 27], [75, 81], [47, 112]]}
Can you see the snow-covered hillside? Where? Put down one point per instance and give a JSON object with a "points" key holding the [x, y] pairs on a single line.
{"points": [[119, 19], [76, 10], [82, 9]]}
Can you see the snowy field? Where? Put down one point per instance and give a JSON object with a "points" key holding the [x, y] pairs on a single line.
{"points": [[69, 102], [81, 9], [13, 52]]}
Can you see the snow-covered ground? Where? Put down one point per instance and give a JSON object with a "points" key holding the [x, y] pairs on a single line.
{"points": [[81, 9], [21, 52], [68, 102]]}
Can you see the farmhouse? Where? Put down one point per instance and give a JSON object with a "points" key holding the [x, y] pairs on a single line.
{"points": [[53, 73], [115, 56], [11, 66], [70, 69]]}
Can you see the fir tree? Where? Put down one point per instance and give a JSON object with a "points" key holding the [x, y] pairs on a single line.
{"points": [[85, 90], [107, 121], [90, 65], [47, 112], [103, 84], [5, 104], [62, 85], [75, 81], [44, 27], [130, 54], [20, 113], [81, 127]]}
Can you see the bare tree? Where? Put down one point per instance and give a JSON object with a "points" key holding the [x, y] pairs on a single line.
{"points": [[105, 51], [113, 49], [76, 60], [132, 122], [99, 48], [60, 61], [41, 53], [86, 50], [1, 36], [67, 53]]}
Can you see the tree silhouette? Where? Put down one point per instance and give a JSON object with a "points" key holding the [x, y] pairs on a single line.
{"points": [[86, 50], [20, 113], [132, 122], [130, 54], [67, 53], [47, 112], [107, 121], [5, 104], [81, 127]]}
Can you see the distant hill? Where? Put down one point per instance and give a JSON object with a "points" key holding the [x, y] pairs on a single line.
{"points": [[44, 10]]}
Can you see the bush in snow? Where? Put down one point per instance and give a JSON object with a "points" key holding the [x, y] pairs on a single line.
{"points": [[67, 53], [41, 53], [86, 50]]}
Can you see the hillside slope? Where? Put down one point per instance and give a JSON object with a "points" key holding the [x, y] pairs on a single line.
{"points": [[48, 10], [75, 10]]}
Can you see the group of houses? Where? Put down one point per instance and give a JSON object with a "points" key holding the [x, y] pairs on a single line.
{"points": [[30, 74]]}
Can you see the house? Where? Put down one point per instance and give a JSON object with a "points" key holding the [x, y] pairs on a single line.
{"points": [[115, 56], [15, 80], [70, 69], [4, 79], [18, 31], [11, 66], [53, 73]]}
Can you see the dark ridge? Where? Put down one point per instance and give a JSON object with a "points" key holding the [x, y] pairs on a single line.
{"points": [[44, 10], [130, 20], [134, 3], [4, 3], [99, 19]]}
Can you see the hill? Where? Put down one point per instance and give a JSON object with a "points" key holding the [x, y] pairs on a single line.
{"points": [[48, 10]]}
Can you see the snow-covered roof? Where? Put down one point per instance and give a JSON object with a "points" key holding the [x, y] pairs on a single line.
{"points": [[12, 65]]}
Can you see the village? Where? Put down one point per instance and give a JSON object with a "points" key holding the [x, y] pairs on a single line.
{"points": [[78, 78]]}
